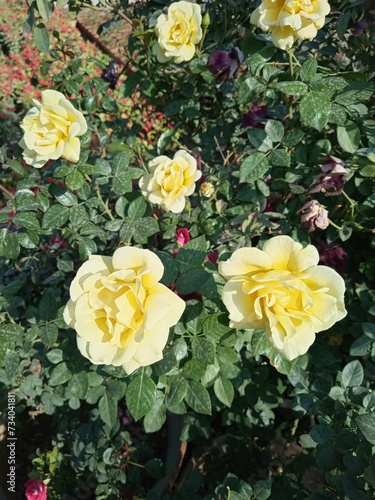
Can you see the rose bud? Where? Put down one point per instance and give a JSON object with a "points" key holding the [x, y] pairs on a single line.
{"points": [[224, 65], [110, 74], [313, 215], [182, 236], [254, 116], [332, 179], [35, 490], [207, 189]]}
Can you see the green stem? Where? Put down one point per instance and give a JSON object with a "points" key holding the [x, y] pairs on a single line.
{"points": [[335, 225], [290, 54], [352, 203], [107, 210]]}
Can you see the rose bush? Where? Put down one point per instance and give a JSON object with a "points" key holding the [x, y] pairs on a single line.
{"points": [[170, 182], [290, 20], [179, 394], [178, 32], [51, 130], [120, 311], [283, 290]]}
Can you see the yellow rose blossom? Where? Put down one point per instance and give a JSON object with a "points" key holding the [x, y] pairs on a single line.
{"points": [[207, 189], [283, 290], [51, 130], [178, 32], [170, 181], [290, 20], [120, 311]]}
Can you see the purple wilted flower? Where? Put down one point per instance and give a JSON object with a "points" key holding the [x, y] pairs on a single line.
{"points": [[224, 65], [254, 116], [110, 74], [313, 215], [332, 179], [359, 27], [332, 255]]}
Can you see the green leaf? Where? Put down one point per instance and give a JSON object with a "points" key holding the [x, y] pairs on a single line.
{"points": [[280, 158], [254, 167], [224, 390], [29, 220], [355, 93], [43, 9], [292, 88], [198, 398], [60, 374], [216, 326], [75, 180], [108, 410], [140, 395], [322, 433], [203, 349], [366, 423], [177, 391], [86, 248], [41, 38], [49, 333], [63, 196], [121, 163], [315, 110], [9, 334], [17, 167], [9, 246], [55, 217], [249, 89], [137, 209], [192, 255], [352, 374], [170, 267], [47, 308], [349, 137], [274, 130], [156, 417], [79, 385], [191, 281], [308, 70], [11, 364]]}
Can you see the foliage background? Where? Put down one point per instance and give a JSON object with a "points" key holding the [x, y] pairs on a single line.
{"points": [[245, 422]]}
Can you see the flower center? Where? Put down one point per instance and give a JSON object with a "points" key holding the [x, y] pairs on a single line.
{"points": [[305, 5]]}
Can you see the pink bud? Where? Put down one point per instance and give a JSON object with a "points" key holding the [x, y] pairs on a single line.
{"points": [[182, 236], [35, 490]]}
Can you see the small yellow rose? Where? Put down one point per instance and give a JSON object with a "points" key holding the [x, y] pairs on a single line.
{"points": [[282, 289], [51, 129], [290, 20], [207, 189], [170, 181], [178, 32], [120, 311]]}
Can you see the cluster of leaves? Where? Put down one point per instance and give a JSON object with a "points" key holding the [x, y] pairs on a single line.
{"points": [[301, 429]]}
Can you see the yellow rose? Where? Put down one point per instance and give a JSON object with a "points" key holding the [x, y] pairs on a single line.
{"points": [[178, 32], [170, 181], [120, 311], [290, 20], [207, 189], [282, 289], [51, 129]]}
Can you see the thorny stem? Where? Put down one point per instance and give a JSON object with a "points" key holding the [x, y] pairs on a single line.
{"points": [[290, 54], [220, 150], [8, 193], [107, 210]]}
